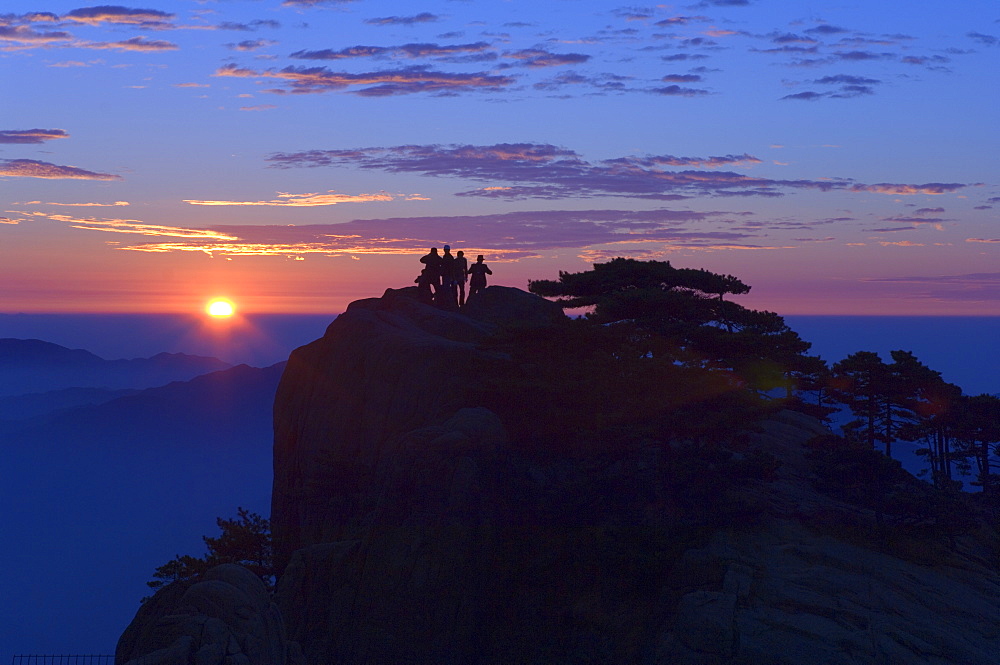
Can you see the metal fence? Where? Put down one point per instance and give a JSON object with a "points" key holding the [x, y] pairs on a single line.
{"points": [[74, 659]]}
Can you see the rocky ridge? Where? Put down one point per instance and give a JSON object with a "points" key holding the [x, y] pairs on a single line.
{"points": [[411, 530]]}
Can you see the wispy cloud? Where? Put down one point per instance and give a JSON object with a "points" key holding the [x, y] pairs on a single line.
{"points": [[508, 236], [932, 188], [301, 200], [31, 135], [529, 170], [314, 3], [248, 45], [249, 26], [416, 50], [985, 40], [133, 44], [422, 17], [672, 160], [27, 35], [30, 168], [537, 58], [133, 227], [678, 91], [146, 18], [972, 287], [77, 205], [406, 80]]}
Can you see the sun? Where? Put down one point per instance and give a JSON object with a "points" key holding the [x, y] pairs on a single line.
{"points": [[220, 308]]}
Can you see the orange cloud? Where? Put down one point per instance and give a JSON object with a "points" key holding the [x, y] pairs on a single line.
{"points": [[134, 226], [986, 240], [301, 200], [78, 205], [119, 15], [901, 243]]}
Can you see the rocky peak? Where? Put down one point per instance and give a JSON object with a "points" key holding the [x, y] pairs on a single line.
{"points": [[411, 530]]}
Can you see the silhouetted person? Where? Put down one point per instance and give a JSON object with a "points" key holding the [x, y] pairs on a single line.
{"points": [[433, 262], [461, 276], [424, 281], [478, 272], [448, 271]]}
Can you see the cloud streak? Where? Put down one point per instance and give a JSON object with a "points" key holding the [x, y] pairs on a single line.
{"points": [[407, 80], [301, 200], [146, 18], [133, 227], [414, 50], [31, 136], [422, 17], [532, 170], [31, 168], [139, 44], [507, 236]]}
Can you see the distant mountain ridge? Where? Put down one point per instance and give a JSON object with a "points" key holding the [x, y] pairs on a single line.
{"points": [[19, 407], [118, 485], [36, 366]]}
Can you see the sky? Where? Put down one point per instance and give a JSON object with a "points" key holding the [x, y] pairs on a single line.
{"points": [[295, 155]]}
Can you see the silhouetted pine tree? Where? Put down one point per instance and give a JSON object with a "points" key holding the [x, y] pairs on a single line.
{"points": [[976, 428], [685, 317], [245, 540]]}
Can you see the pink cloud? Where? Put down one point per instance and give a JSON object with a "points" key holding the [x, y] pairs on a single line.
{"points": [[931, 188], [30, 168], [133, 44], [301, 200], [150, 18], [383, 83]]}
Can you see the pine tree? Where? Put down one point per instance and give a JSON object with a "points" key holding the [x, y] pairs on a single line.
{"points": [[245, 540], [685, 317], [861, 382], [977, 430]]}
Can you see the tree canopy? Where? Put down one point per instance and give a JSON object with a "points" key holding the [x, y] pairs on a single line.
{"points": [[245, 540], [682, 313]]}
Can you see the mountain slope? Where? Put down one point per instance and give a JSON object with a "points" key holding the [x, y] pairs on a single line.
{"points": [[96, 497], [34, 366]]}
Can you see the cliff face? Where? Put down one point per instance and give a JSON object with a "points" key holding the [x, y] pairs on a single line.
{"points": [[351, 405], [412, 530], [412, 533]]}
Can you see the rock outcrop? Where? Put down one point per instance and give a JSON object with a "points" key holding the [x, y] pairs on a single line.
{"points": [[227, 618], [412, 529], [413, 533], [347, 402]]}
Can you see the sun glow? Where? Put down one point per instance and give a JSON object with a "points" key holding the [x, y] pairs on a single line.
{"points": [[220, 307]]}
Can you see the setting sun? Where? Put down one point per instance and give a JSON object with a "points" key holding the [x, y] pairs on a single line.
{"points": [[220, 307]]}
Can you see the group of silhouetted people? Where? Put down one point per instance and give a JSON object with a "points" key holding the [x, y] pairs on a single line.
{"points": [[443, 279]]}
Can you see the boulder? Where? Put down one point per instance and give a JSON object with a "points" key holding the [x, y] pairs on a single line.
{"points": [[513, 308], [226, 618]]}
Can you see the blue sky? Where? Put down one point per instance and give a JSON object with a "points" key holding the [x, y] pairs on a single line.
{"points": [[296, 155]]}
